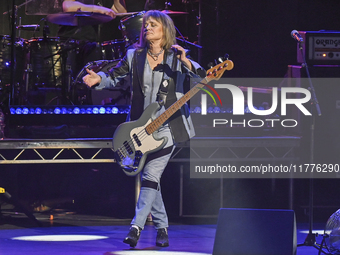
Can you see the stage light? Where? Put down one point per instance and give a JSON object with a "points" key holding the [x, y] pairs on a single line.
{"points": [[18, 111], [217, 109], [102, 110], [95, 110], [108, 110], [25, 110], [59, 238], [76, 110], [89, 110], [197, 109], [57, 110], [115, 110]]}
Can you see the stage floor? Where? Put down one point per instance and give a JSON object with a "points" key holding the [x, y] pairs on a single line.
{"points": [[20, 235]]}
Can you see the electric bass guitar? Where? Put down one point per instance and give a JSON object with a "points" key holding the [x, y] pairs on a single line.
{"points": [[134, 140]]}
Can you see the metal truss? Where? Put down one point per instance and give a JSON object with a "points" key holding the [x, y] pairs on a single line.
{"points": [[278, 148], [31, 151], [35, 151]]}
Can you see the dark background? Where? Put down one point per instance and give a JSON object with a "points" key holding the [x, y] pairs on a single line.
{"points": [[256, 35]]}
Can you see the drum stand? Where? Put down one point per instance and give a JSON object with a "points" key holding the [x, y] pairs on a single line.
{"points": [[66, 78]]}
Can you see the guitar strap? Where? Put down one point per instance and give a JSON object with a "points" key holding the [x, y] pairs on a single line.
{"points": [[137, 101], [177, 126]]}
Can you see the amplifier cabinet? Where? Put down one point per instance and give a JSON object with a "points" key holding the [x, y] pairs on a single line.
{"points": [[320, 47]]}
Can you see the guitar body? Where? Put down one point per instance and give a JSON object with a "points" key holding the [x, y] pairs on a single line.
{"points": [[132, 144]]}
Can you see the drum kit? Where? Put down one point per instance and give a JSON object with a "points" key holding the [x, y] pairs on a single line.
{"points": [[47, 62]]}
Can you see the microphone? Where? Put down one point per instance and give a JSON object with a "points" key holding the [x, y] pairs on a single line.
{"points": [[297, 37]]}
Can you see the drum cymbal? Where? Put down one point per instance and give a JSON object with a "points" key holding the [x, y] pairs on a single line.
{"points": [[173, 12], [78, 19]]}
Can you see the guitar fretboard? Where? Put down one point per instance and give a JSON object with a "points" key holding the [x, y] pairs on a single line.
{"points": [[212, 74], [161, 119]]}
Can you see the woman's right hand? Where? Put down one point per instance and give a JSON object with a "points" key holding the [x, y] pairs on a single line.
{"points": [[92, 78]]}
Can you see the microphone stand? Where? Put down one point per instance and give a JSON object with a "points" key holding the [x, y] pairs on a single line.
{"points": [[311, 237]]}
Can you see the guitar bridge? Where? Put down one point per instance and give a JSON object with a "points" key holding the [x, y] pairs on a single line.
{"points": [[130, 165], [138, 156]]}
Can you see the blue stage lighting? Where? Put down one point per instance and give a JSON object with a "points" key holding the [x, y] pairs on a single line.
{"points": [[102, 110], [89, 110], [217, 109], [63, 110], [76, 110], [25, 110], [57, 110], [38, 110], [95, 110], [18, 111], [115, 110], [108, 110]]}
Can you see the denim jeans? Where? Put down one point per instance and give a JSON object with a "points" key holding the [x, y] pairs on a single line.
{"points": [[150, 200]]}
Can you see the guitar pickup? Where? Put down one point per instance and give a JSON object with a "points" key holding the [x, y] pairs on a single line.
{"points": [[135, 137]]}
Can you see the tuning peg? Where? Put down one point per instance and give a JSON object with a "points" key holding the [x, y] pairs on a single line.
{"points": [[210, 65], [224, 58], [221, 59]]}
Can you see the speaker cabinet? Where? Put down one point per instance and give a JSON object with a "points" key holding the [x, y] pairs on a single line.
{"points": [[255, 232]]}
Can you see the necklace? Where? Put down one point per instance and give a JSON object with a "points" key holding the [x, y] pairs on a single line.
{"points": [[155, 55]]}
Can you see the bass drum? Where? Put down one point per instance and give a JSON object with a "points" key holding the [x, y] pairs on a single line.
{"points": [[112, 50], [45, 59], [131, 28], [5, 59], [85, 96]]}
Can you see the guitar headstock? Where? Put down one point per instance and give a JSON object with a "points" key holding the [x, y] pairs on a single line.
{"points": [[217, 71]]}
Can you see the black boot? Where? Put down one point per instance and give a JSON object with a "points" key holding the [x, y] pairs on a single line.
{"points": [[162, 239], [133, 236]]}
